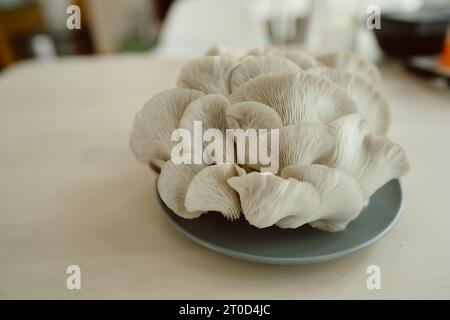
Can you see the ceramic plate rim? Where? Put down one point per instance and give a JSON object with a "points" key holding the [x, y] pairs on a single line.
{"points": [[287, 261]]}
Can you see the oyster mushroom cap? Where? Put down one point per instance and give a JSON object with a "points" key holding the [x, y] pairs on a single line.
{"points": [[150, 139], [173, 184], [252, 67], [371, 159], [208, 74], [240, 171], [371, 104], [300, 58], [268, 50], [353, 63], [331, 121], [221, 50], [266, 199], [157, 165], [297, 97], [210, 110], [341, 198], [314, 143], [209, 191], [252, 115]]}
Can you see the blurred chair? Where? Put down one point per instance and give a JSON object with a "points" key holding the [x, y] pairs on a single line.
{"points": [[14, 22], [192, 26]]}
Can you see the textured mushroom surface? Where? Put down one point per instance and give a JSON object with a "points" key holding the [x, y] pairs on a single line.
{"points": [[302, 59], [173, 183], [351, 62], [285, 139], [154, 124], [314, 143], [207, 74], [209, 191], [341, 198], [297, 97], [209, 112], [252, 115], [372, 160], [266, 199], [254, 66], [371, 104]]}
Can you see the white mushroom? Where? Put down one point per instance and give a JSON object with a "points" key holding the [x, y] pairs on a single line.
{"points": [[241, 171], [320, 124], [173, 183], [266, 199], [252, 67], [353, 63], [210, 112], [151, 136], [371, 159], [314, 143], [341, 198], [157, 164], [301, 58], [263, 51], [221, 50], [297, 97], [252, 115], [208, 74], [209, 191], [209, 109], [371, 104]]}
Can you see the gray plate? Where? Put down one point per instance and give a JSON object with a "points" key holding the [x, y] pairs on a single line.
{"points": [[294, 246]]}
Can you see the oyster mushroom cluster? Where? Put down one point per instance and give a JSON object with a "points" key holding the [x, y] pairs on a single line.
{"points": [[332, 121]]}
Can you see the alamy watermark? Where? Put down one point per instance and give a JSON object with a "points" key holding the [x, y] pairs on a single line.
{"points": [[73, 21], [373, 281], [73, 281], [373, 20], [259, 147]]}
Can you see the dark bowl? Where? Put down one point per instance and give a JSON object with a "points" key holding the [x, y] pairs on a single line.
{"points": [[413, 33]]}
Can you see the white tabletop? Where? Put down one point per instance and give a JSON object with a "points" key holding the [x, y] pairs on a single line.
{"points": [[71, 192]]}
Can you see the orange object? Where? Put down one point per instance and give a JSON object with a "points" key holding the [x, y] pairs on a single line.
{"points": [[445, 57]]}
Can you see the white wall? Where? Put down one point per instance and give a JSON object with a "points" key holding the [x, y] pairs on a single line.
{"points": [[110, 20]]}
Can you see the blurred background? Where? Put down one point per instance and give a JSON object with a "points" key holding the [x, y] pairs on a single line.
{"points": [[71, 191], [411, 29]]}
